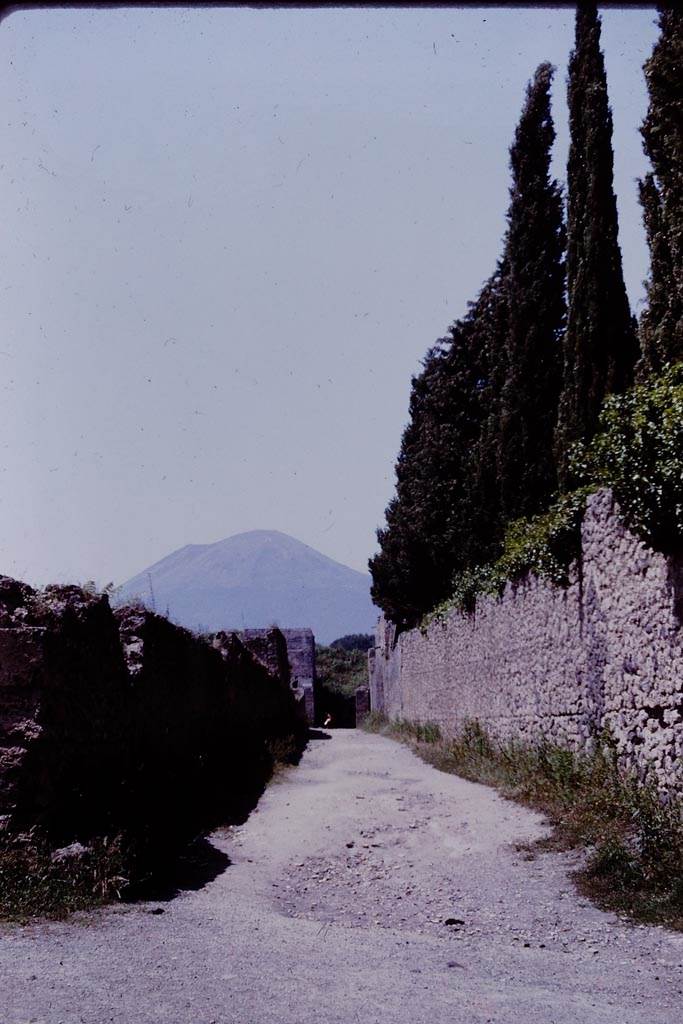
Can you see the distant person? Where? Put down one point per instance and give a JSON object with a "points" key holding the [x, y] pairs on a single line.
{"points": [[328, 722]]}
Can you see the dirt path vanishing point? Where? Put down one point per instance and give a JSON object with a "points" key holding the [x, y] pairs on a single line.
{"points": [[335, 908]]}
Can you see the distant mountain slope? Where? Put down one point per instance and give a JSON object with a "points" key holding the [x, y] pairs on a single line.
{"points": [[256, 579]]}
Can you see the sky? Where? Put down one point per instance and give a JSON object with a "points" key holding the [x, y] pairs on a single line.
{"points": [[229, 237]]}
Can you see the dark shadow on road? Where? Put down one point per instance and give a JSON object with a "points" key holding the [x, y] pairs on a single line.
{"points": [[318, 734], [187, 871]]}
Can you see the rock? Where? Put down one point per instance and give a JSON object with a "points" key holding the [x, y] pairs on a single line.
{"points": [[73, 852]]}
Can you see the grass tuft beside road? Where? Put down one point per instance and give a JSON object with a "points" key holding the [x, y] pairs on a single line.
{"points": [[37, 880], [634, 840]]}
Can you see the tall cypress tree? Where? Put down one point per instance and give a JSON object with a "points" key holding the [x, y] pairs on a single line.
{"points": [[535, 285], [403, 570], [661, 196], [600, 347], [480, 510], [432, 527]]}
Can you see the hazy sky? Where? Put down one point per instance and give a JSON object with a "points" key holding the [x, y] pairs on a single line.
{"points": [[229, 236]]}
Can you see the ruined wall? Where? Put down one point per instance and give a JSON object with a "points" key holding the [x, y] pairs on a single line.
{"points": [[124, 721], [542, 661], [300, 645]]}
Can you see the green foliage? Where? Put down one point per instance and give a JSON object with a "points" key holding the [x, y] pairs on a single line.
{"points": [[634, 836], [33, 881], [454, 462], [375, 721], [283, 751], [339, 673], [476, 454], [639, 453], [661, 195], [341, 670], [600, 344], [432, 525], [354, 642], [535, 284], [661, 323], [545, 545], [421, 732]]}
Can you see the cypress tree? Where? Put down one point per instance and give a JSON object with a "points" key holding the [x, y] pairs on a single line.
{"points": [[600, 346], [432, 524], [403, 569], [481, 512], [535, 285], [661, 196]]}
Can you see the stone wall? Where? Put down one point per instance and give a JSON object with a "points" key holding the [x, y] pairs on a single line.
{"points": [[123, 721], [300, 644], [543, 661]]}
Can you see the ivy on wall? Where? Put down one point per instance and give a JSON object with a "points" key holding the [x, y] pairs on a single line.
{"points": [[638, 452]]}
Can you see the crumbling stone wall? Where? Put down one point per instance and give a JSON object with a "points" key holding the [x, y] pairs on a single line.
{"points": [[63, 695], [542, 661], [300, 644], [124, 721]]}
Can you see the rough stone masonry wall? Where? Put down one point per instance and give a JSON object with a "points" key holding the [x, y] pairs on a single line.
{"points": [[542, 661], [123, 721], [300, 648]]}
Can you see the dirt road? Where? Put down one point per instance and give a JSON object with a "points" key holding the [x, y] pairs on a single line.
{"points": [[367, 887]]}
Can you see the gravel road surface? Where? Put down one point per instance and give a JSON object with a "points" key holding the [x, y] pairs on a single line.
{"points": [[367, 887]]}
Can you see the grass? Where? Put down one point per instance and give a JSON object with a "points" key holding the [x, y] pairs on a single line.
{"points": [[634, 839], [35, 882], [284, 752]]}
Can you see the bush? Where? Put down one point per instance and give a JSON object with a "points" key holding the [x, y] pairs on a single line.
{"points": [[36, 879], [545, 545], [339, 673], [638, 452], [354, 642]]}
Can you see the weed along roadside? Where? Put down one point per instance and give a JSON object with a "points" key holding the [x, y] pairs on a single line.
{"points": [[633, 837]]}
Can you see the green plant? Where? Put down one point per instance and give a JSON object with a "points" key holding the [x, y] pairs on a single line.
{"points": [[639, 454], [284, 750], [341, 670], [375, 721], [36, 880], [421, 732], [546, 545], [354, 642]]}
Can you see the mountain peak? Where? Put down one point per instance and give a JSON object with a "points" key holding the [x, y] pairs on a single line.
{"points": [[255, 579]]}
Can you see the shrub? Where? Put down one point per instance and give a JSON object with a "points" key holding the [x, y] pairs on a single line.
{"points": [[339, 673], [354, 642], [545, 545], [639, 454], [35, 879]]}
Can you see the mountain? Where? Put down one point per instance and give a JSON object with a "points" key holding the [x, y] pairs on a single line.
{"points": [[256, 579]]}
